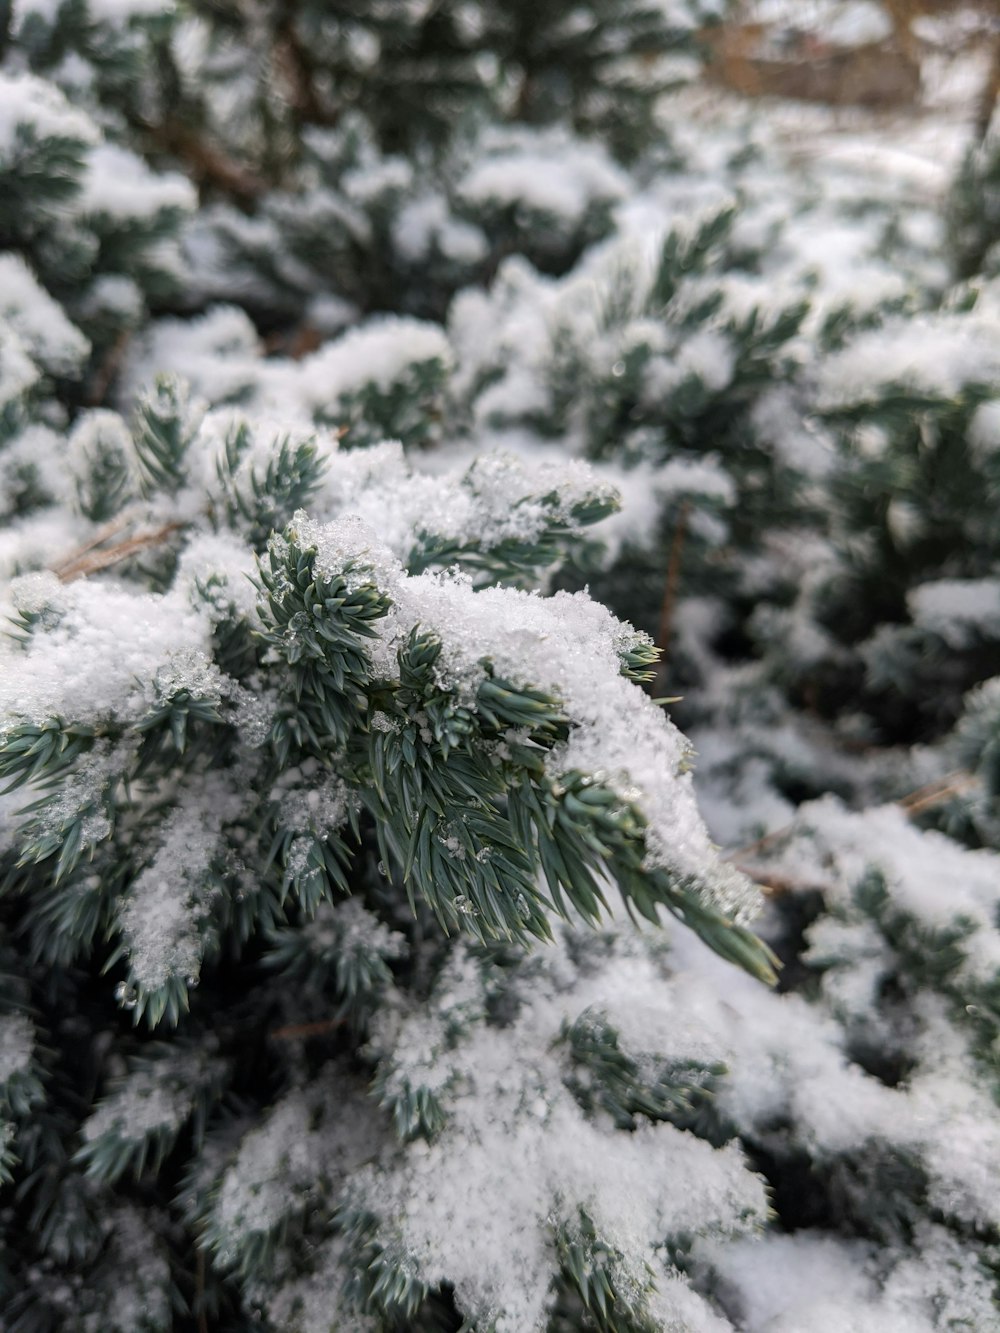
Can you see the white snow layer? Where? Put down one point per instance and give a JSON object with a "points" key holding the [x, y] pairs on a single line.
{"points": [[102, 653], [569, 646], [17, 1042], [39, 107], [37, 320], [959, 610], [933, 354], [118, 184], [551, 173]]}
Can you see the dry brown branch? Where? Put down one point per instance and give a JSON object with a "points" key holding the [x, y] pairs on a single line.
{"points": [[206, 165], [990, 91], [913, 803], [670, 594], [295, 343], [936, 792], [296, 65], [774, 885], [103, 534], [90, 559], [108, 369]]}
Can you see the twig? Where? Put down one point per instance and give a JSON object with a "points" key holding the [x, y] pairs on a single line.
{"points": [[773, 884], [108, 369], [89, 560], [110, 529], [297, 343], [207, 165], [913, 803], [670, 593], [990, 91], [298, 67], [759, 844], [296, 1030], [935, 792]]}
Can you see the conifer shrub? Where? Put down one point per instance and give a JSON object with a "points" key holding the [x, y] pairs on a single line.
{"points": [[400, 405]]}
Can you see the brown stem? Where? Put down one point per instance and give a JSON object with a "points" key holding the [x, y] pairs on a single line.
{"points": [[525, 95], [205, 164], [773, 884], [296, 64], [670, 593], [296, 343], [991, 89], [103, 534], [922, 798], [108, 369], [936, 792], [89, 560]]}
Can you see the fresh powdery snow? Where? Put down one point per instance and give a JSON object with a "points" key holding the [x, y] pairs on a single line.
{"points": [[319, 1133], [959, 610], [381, 353], [17, 1041], [636, 1188], [20, 371], [218, 354], [930, 877], [496, 497], [425, 222], [552, 173], [780, 1065], [932, 354], [118, 184], [163, 918], [102, 653], [39, 321], [158, 1099], [569, 646], [37, 106], [136, 1277], [515, 1134]]}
